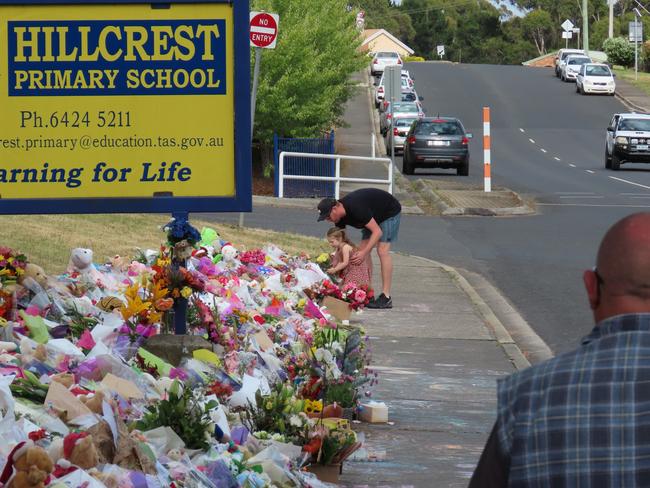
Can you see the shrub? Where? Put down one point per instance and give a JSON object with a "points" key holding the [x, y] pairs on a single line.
{"points": [[619, 51], [413, 59]]}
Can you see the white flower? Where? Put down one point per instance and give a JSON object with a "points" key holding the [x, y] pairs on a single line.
{"points": [[295, 420], [336, 347]]}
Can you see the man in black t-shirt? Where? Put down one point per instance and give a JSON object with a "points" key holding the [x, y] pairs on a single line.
{"points": [[377, 213]]}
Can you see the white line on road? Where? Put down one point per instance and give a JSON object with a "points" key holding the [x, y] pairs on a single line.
{"points": [[629, 182], [582, 196], [542, 149], [574, 193], [589, 205], [556, 158], [572, 165], [522, 130], [647, 196], [589, 171], [531, 140]]}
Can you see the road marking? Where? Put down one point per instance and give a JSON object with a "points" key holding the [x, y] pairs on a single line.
{"points": [[542, 149], [629, 182], [574, 193], [647, 196], [522, 130], [531, 140], [556, 158], [589, 205], [582, 196], [589, 171], [572, 165]]}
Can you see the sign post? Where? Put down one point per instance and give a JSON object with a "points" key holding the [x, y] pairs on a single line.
{"points": [[635, 30], [567, 27], [440, 49]]}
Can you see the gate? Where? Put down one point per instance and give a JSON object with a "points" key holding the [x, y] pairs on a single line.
{"points": [[305, 166]]}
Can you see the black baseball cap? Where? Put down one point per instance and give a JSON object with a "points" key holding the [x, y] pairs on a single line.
{"points": [[325, 207]]}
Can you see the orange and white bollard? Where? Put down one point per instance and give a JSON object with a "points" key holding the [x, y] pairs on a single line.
{"points": [[487, 178]]}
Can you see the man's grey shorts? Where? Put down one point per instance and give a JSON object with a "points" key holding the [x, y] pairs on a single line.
{"points": [[389, 230]]}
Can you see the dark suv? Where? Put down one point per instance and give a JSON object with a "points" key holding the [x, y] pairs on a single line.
{"points": [[437, 142]]}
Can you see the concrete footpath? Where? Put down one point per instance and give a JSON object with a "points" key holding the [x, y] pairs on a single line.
{"points": [[438, 361]]}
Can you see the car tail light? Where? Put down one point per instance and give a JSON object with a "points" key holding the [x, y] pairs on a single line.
{"points": [[395, 132], [389, 116], [465, 141], [399, 61], [411, 140], [380, 89], [375, 62]]}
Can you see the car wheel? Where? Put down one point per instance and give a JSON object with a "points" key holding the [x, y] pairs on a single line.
{"points": [[608, 159], [563, 78], [407, 167], [463, 169], [616, 163], [577, 87]]}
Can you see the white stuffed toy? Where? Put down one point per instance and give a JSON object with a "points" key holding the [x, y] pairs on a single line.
{"points": [[81, 262]]}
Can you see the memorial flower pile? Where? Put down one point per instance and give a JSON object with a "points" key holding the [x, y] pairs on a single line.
{"points": [[250, 405]]}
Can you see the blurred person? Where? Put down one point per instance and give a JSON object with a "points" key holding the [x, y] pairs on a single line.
{"points": [[377, 213], [342, 266], [582, 419]]}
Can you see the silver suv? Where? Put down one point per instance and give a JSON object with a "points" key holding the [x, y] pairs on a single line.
{"points": [[560, 58], [627, 140]]}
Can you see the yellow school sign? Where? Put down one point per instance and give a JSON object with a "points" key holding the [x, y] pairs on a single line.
{"points": [[129, 107]]}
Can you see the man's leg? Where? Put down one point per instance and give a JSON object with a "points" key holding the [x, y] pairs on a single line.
{"points": [[386, 261]]}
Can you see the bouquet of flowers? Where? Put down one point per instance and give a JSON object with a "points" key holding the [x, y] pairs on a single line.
{"points": [[357, 296], [12, 265], [324, 260]]}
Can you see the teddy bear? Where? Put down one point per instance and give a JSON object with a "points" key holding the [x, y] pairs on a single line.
{"points": [[94, 402], [33, 272], [27, 466], [79, 451]]}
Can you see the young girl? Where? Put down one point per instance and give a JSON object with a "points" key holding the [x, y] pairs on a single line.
{"points": [[360, 274]]}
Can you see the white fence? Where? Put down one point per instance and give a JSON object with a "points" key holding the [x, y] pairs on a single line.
{"points": [[337, 178]]}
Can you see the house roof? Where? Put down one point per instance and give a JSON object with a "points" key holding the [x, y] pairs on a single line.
{"points": [[370, 34]]}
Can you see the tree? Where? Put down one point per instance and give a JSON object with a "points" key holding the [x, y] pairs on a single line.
{"points": [[305, 81], [538, 26], [619, 51]]}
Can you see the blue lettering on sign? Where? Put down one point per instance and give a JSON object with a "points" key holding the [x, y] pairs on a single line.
{"points": [[121, 57]]}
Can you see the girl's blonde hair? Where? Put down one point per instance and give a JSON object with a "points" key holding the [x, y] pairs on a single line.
{"points": [[337, 233]]}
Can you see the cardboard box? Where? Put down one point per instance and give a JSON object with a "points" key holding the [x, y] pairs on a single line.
{"points": [[374, 412], [338, 308], [328, 473]]}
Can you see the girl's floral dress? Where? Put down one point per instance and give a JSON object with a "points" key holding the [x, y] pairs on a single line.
{"points": [[359, 274]]}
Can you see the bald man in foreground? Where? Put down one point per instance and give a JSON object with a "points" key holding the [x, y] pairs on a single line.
{"points": [[582, 419]]}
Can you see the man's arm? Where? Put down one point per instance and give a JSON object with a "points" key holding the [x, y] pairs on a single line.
{"points": [[493, 468], [375, 235]]}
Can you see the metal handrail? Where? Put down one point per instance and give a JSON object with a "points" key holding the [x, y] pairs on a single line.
{"points": [[337, 178]]}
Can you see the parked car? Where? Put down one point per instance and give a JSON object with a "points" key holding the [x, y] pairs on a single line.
{"points": [[400, 110], [407, 76], [571, 66], [561, 56], [397, 136], [380, 90], [382, 59], [627, 140], [595, 78], [440, 142]]}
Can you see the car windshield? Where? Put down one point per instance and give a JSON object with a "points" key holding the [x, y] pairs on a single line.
{"points": [[578, 61], [598, 71], [634, 124], [408, 97], [403, 122], [386, 55], [406, 107], [564, 55], [438, 128]]}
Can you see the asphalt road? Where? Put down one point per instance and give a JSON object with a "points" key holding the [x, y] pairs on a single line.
{"points": [[547, 143]]}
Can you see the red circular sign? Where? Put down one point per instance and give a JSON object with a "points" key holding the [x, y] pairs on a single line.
{"points": [[263, 30]]}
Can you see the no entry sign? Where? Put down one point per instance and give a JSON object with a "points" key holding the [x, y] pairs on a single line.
{"points": [[263, 29]]}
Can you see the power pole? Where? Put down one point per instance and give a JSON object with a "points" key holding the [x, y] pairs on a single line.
{"points": [[585, 26], [610, 31]]}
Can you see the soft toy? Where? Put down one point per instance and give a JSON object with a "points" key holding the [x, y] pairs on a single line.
{"points": [[78, 452], [28, 466], [81, 261], [229, 253], [94, 401], [66, 379], [34, 272]]}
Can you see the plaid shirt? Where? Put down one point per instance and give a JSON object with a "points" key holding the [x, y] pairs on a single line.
{"points": [[582, 419]]}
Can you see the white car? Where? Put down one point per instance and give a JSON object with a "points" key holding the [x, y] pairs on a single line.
{"points": [[595, 78], [571, 66], [561, 56], [382, 59], [380, 91], [627, 140]]}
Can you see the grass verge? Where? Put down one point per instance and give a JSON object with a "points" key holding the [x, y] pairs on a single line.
{"points": [[642, 81], [47, 240]]}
